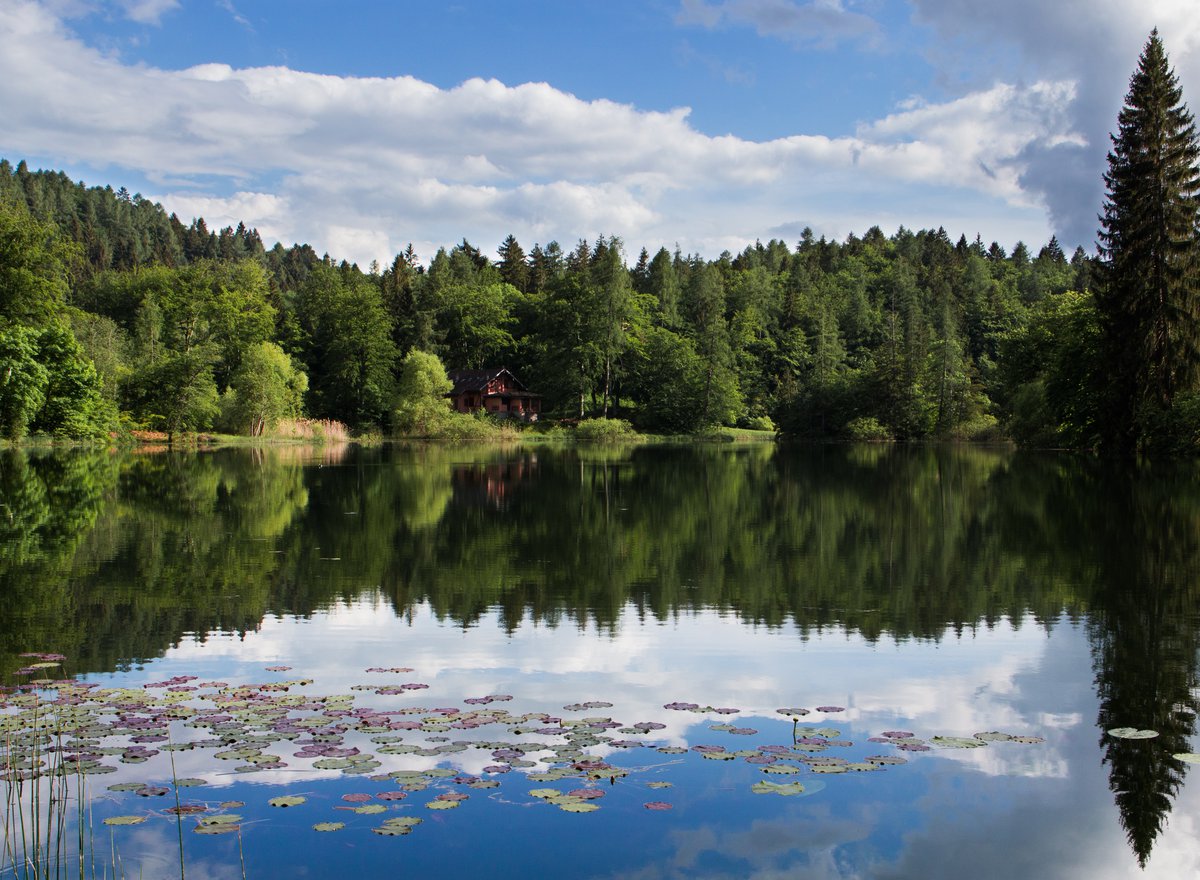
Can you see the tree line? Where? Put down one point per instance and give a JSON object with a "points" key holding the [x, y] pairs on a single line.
{"points": [[113, 312]]}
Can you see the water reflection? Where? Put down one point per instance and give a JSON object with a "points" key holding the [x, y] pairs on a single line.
{"points": [[114, 560]]}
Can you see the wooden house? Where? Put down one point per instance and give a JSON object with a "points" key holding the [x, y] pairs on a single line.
{"points": [[495, 390]]}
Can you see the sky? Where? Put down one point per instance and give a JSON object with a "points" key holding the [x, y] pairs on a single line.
{"points": [[362, 126]]}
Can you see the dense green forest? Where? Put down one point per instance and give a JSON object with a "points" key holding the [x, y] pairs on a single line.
{"points": [[114, 314], [179, 328]]}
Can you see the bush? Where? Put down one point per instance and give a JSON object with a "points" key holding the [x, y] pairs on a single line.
{"points": [[605, 431], [757, 423], [867, 429]]}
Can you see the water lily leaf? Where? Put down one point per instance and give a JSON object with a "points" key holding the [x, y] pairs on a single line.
{"points": [[358, 797], [370, 809], [393, 830], [579, 807], [993, 736], [126, 786], [658, 805], [793, 712], [151, 791], [862, 767], [125, 820], [217, 829], [190, 782], [544, 792], [562, 799], [403, 822], [957, 742], [187, 809], [828, 768], [883, 760], [393, 795], [440, 805], [780, 788], [290, 800], [781, 769], [221, 819], [671, 750], [1028, 739], [1132, 733], [1187, 757], [232, 805], [718, 756], [329, 826]]}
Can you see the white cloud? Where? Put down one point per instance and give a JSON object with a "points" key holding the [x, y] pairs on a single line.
{"points": [[820, 22], [359, 167], [147, 11]]}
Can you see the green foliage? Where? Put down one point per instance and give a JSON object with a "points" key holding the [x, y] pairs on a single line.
{"points": [[605, 431], [266, 388], [347, 347], [867, 429], [34, 265], [1149, 300], [23, 380], [422, 408]]}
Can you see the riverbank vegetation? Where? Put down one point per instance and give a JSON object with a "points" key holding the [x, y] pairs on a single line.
{"points": [[115, 317]]}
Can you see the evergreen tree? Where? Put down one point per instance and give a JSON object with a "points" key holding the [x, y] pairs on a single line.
{"points": [[1149, 304]]}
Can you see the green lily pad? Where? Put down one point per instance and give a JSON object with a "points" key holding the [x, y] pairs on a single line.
{"points": [[781, 769], [1132, 733], [957, 742], [660, 784], [781, 788], [1187, 757], [329, 826], [190, 782], [217, 829], [393, 830], [290, 800], [403, 821], [442, 805], [545, 793], [127, 786], [125, 820], [580, 807], [221, 819], [370, 809]]}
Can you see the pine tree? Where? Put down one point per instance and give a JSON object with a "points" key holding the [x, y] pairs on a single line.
{"points": [[1149, 297]]}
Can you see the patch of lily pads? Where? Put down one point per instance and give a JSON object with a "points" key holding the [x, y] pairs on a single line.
{"points": [[403, 749]]}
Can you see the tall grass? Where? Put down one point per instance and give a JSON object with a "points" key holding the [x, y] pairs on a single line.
{"points": [[313, 430]]}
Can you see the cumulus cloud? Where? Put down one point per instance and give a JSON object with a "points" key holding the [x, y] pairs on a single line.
{"points": [[361, 166], [1092, 43]]}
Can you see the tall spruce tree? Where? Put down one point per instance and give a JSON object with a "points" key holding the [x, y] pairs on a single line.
{"points": [[1149, 298]]}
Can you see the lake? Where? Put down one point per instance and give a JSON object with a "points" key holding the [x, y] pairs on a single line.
{"points": [[724, 661]]}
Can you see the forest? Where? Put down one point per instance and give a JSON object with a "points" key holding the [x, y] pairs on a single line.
{"points": [[115, 316], [141, 320]]}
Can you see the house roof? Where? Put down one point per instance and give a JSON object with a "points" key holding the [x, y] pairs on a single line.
{"points": [[477, 380]]}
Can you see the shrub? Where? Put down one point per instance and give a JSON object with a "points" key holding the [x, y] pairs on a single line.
{"points": [[605, 431], [867, 429]]}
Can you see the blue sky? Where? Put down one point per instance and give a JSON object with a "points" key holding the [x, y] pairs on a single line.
{"points": [[364, 125]]}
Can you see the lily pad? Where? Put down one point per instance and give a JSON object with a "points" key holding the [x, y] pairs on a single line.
{"points": [[125, 820], [1132, 733], [658, 805], [370, 809], [579, 807], [440, 805], [1187, 757], [289, 800], [329, 826], [660, 785], [781, 788]]}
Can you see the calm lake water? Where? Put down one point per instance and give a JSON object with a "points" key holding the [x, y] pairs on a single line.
{"points": [[459, 622]]}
